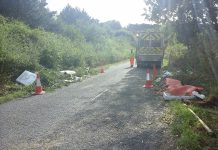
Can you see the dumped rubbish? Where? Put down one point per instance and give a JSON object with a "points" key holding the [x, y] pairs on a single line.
{"points": [[167, 74], [157, 80], [194, 95], [74, 79], [175, 87], [69, 72], [172, 82], [78, 79], [201, 96], [168, 96], [26, 78], [177, 91], [183, 89], [70, 75]]}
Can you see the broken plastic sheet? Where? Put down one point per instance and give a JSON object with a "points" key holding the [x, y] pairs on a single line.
{"points": [[168, 96], [26, 78]]}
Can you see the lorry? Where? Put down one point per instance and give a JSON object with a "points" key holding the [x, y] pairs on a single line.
{"points": [[150, 49]]}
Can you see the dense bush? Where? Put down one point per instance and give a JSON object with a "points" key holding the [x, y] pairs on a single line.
{"points": [[23, 48]]}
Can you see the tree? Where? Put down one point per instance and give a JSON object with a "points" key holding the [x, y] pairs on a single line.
{"points": [[193, 20], [32, 12], [113, 25], [71, 15]]}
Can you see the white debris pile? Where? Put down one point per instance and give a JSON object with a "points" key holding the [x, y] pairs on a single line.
{"points": [[168, 96], [167, 74], [71, 76], [69, 72]]}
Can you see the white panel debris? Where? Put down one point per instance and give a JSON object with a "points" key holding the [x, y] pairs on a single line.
{"points": [[26, 78]]}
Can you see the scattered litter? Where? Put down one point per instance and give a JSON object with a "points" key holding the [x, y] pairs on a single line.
{"points": [[78, 78], [70, 78], [180, 90], [168, 96], [69, 81], [201, 96], [175, 90], [26, 78], [70, 72], [74, 79], [172, 82], [158, 80], [167, 74]]}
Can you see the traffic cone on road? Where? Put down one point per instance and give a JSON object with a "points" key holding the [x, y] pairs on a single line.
{"points": [[148, 82], [38, 88]]}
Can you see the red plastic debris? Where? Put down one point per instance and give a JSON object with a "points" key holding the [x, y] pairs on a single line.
{"points": [[175, 87], [170, 82]]}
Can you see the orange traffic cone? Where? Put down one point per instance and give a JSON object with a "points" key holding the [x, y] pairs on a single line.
{"points": [[102, 69], [148, 82], [38, 88]]}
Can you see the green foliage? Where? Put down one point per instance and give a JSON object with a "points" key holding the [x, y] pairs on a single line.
{"points": [[51, 79], [17, 43], [71, 40], [195, 25], [11, 91], [214, 91], [23, 48], [32, 12], [190, 133], [112, 25], [49, 59], [71, 15], [183, 126], [81, 71]]}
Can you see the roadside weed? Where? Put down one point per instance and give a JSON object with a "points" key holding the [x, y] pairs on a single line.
{"points": [[189, 132]]}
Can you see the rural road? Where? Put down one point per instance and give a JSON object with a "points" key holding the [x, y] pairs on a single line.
{"points": [[110, 111]]}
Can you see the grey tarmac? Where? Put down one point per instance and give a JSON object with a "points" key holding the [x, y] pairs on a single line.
{"points": [[109, 111]]}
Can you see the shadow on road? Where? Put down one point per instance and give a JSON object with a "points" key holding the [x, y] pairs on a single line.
{"points": [[126, 117]]}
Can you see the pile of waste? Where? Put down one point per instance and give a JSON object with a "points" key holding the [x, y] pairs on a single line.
{"points": [[70, 76], [173, 89]]}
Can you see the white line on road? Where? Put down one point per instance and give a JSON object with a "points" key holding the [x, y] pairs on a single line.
{"points": [[99, 94]]}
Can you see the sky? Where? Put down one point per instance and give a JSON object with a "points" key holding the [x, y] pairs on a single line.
{"points": [[124, 11]]}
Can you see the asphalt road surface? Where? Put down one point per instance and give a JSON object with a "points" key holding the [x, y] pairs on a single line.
{"points": [[107, 111]]}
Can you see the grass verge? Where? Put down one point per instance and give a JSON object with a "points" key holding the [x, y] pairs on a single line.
{"points": [[191, 134], [50, 80]]}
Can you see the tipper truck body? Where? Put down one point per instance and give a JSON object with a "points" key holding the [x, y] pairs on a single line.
{"points": [[150, 49]]}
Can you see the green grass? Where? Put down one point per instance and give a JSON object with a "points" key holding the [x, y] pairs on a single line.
{"points": [[14, 91], [191, 134]]}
